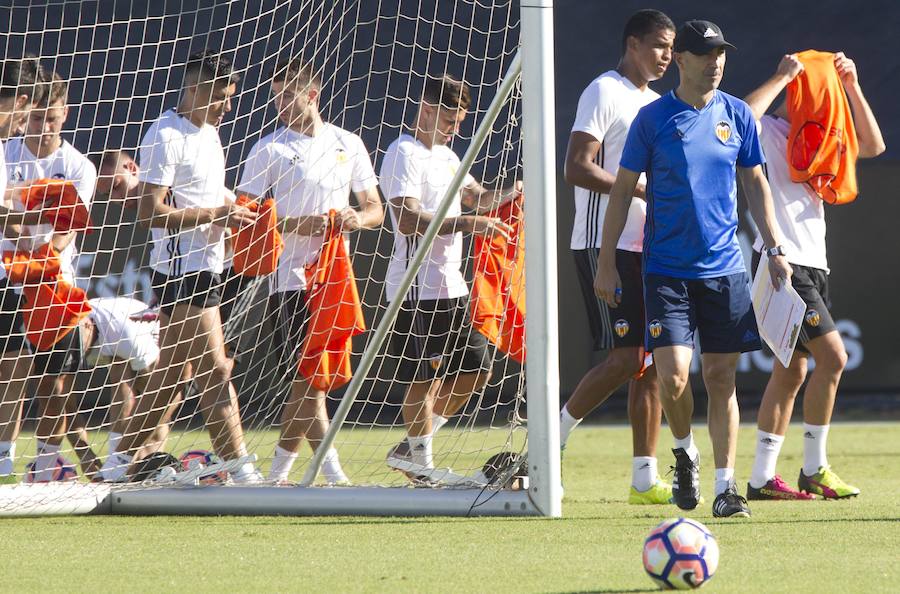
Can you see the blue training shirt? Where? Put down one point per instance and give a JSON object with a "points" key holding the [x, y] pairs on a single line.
{"points": [[689, 156]]}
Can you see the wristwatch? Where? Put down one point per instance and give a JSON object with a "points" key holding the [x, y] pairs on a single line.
{"points": [[778, 250]]}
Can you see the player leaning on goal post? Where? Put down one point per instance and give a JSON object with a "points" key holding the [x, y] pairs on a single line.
{"points": [[43, 154], [18, 93], [182, 176], [691, 143], [800, 213], [605, 111], [309, 167], [442, 358]]}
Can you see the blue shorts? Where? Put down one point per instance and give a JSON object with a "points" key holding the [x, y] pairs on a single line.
{"points": [[720, 308]]}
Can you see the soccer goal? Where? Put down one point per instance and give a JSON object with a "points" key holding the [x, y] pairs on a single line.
{"points": [[493, 444]]}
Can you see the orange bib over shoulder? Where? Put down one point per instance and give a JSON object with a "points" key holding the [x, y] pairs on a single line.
{"points": [[822, 146], [257, 247], [335, 314], [498, 287]]}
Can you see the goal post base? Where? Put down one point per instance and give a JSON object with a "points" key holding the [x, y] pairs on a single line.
{"points": [[322, 501], [54, 499]]}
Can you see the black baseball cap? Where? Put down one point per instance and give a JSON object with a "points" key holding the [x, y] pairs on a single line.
{"points": [[699, 37]]}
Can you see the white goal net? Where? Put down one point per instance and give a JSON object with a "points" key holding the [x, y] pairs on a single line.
{"points": [[135, 336]]}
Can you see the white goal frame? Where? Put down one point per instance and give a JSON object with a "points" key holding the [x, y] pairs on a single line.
{"points": [[533, 65]]}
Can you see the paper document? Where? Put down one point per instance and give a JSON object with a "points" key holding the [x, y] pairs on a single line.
{"points": [[779, 314]]}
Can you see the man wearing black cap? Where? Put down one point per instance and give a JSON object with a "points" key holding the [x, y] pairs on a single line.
{"points": [[691, 143]]}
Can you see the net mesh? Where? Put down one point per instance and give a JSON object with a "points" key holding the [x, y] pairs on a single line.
{"points": [[124, 63]]}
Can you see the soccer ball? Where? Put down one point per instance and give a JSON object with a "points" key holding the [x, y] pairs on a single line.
{"points": [[680, 554], [192, 458], [62, 471]]}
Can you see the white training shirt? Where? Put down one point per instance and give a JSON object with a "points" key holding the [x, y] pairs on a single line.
{"points": [[306, 175], [605, 111], [177, 154], [118, 336], [412, 170], [799, 211], [66, 163]]}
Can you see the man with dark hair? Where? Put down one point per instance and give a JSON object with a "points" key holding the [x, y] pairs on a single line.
{"points": [[801, 215], [605, 111], [182, 178], [442, 358], [692, 142], [43, 153], [117, 177], [18, 78], [309, 167]]}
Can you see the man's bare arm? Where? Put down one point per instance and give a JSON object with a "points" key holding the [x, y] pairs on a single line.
{"points": [[582, 171], [153, 212]]}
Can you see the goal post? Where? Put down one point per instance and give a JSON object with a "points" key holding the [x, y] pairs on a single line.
{"points": [[373, 59]]}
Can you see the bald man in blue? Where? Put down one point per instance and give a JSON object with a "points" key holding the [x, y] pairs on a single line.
{"points": [[693, 143]]}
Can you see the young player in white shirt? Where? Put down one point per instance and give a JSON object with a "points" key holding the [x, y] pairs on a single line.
{"points": [[801, 216], [605, 111], [18, 93], [442, 358], [309, 167], [43, 153], [182, 176]]}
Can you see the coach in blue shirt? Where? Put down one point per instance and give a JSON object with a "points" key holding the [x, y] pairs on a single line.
{"points": [[691, 143]]}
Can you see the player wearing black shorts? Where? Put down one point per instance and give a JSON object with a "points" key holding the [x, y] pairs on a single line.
{"points": [[800, 213], [439, 355], [605, 111]]}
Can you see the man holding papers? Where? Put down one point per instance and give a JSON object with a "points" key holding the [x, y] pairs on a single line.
{"points": [[691, 143], [801, 216]]}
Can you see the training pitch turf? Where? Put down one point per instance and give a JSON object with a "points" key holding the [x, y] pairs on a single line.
{"points": [[819, 546]]}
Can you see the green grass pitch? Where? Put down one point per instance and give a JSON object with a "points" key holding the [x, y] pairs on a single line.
{"points": [[820, 546]]}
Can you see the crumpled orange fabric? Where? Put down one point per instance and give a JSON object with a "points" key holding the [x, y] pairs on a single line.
{"points": [[59, 204], [51, 311], [498, 288], [31, 268], [822, 145], [335, 314], [257, 247]]}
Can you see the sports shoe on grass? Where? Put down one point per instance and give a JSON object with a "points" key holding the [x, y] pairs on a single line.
{"points": [[729, 504], [825, 483], [777, 490], [686, 484], [659, 493], [402, 454]]}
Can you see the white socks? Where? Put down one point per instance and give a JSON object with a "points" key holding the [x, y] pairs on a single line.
{"points": [[281, 464], [768, 446], [687, 443], [437, 421], [644, 470], [115, 467], [814, 438], [45, 461], [420, 449], [331, 468], [566, 423], [7, 457], [724, 479]]}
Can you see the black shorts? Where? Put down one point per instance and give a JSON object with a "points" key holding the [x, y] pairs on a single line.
{"points": [[812, 286], [623, 326], [289, 316], [12, 326], [434, 338], [234, 289], [201, 289], [720, 308], [64, 358]]}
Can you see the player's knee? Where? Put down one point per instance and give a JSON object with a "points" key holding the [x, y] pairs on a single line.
{"points": [[672, 385], [221, 371], [719, 378], [832, 361], [483, 378], [791, 378]]}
